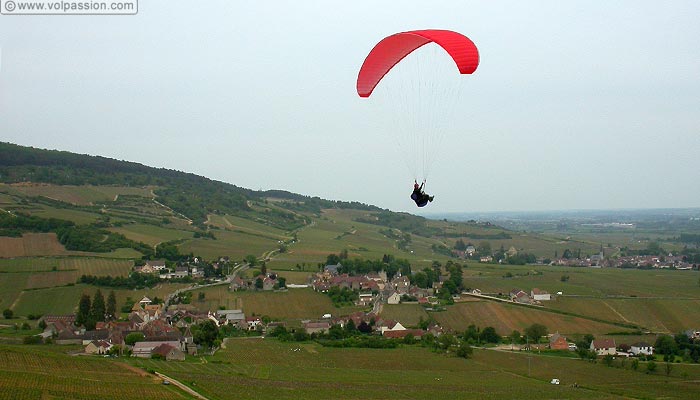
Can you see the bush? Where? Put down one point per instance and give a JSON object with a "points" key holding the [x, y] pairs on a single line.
{"points": [[31, 340]]}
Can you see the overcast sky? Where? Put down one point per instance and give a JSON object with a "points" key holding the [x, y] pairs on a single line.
{"points": [[575, 104]]}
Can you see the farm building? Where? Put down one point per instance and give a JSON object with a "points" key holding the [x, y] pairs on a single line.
{"points": [[558, 342], [642, 348], [539, 295], [604, 347]]}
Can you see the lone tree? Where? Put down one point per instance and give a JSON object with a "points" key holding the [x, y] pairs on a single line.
{"points": [[7, 313], [83, 310], [111, 309], [536, 331]]}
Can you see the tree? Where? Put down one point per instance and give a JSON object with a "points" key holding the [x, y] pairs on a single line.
{"points": [[98, 309], [484, 249], [489, 335], [666, 345], [364, 327], [536, 331], [251, 260], [608, 360], [201, 296], [635, 364], [259, 283], [111, 309], [514, 338], [205, 333], [83, 310], [668, 367], [651, 367], [282, 282], [7, 313], [350, 327], [134, 337], [464, 350]]}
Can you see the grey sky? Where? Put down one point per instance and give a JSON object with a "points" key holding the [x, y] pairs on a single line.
{"points": [[576, 104]]}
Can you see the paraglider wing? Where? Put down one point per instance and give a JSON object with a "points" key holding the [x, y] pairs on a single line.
{"points": [[392, 49]]}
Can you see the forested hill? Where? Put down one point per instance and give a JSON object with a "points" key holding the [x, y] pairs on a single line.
{"points": [[191, 195]]}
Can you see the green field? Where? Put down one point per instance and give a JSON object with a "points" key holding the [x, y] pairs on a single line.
{"points": [[151, 234], [236, 245], [294, 304], [407, 314], [506, 317], [268, 369], [28, 372], [64, 300]]}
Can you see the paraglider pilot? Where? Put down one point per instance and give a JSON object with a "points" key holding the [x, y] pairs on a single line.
{"points": [[419, 196]]}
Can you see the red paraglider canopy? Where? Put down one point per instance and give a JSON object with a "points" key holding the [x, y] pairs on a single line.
{"points": [[394, 48]]}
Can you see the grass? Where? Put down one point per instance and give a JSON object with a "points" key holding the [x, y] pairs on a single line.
{"points": [[236, 245], [269, 369], [294, 304], [506, 317], [151, 234], [407, 314], [30, 372], [79, 195], [64, 300]]}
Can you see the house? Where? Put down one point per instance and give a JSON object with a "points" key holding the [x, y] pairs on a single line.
{"points": [[317, 327], [539, 295], [604, 347], [332, 269], [237, 284], [365, 299], [390, 325], [269, 283], [252, 323], [485, 259], [181, 271], [519, 296], [642, 348], [401, 284], [394, 298], [470, 250], [558, 342], [156, 265], [98, 347], [476, 291], [417, 333], [231, 317], [169, 352], [145, 349]]}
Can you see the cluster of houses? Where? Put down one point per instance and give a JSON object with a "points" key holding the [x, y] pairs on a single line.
{"points": [[375, 286], [179, 271], [270, 281], [386, 327], [534, 297], [164, 333], [598, 261], [603, 347], [669, 261]]}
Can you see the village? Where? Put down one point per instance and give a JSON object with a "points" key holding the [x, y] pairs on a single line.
{"points": [[165, 331]]}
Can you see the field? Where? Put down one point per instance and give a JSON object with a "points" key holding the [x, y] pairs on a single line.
{"points": [[47, 245], [31, 244], [237, 224], [407, 314], [294, 304], [236, 245], [336, 231], [594, 282], [150, 234], [33, 373], [79, 195], [64, 299], [268, 369], [505, 318]]}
